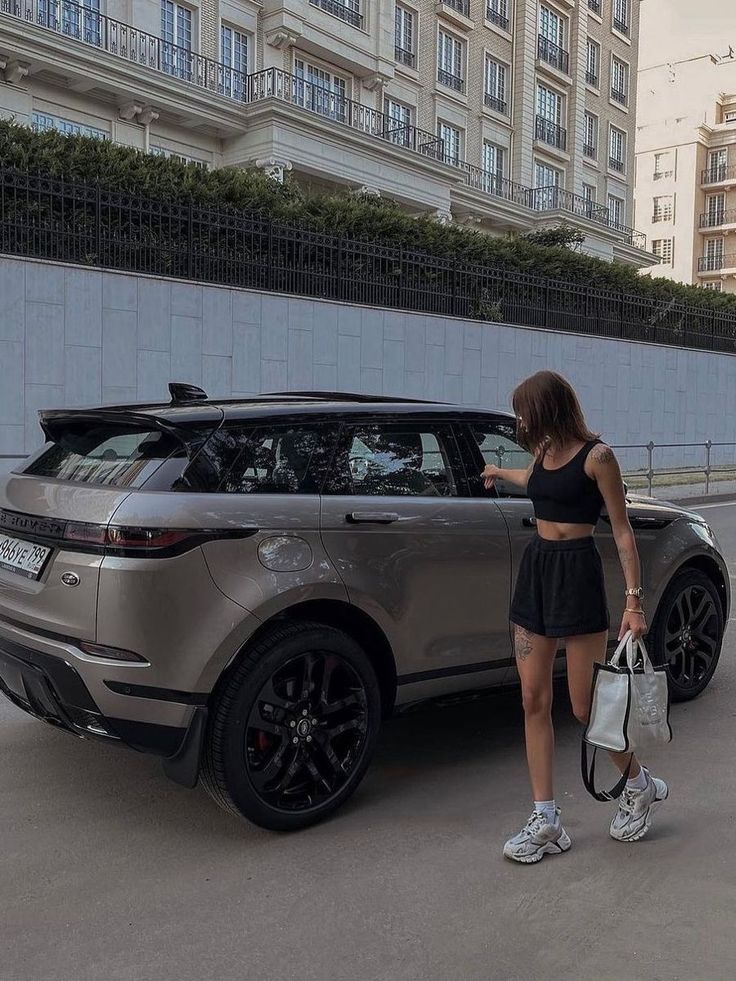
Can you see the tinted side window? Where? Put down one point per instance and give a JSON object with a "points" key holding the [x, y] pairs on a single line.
{"points": [[409, 460], [496, 441], [272, 459]]}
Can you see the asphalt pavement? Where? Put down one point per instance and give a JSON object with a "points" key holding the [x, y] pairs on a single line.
{"points": [[108, 871]]}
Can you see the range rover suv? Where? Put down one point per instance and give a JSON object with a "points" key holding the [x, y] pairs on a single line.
{"points": [[246, 588]]}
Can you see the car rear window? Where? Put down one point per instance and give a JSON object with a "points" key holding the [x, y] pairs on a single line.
{"points": [[109, 454]]}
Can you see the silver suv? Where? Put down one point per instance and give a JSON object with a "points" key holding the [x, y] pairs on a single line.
{"points": [[246, 588]]}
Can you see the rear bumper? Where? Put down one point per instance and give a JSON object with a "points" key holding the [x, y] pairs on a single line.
{"points": [[50, 689]]}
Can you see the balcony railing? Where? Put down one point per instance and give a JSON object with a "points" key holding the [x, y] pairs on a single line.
{"points": [[713, 219], [592, 79], [553, 54], [558, 199], [80, 25], [349, 11], [405, 57], [461, 6], [590, 151], [719, 173], [620, 97], [714, 263], [615, 164], [493, 102], [550, 133], [497, 18], [621, 26], [595, 6], [451, 81]]}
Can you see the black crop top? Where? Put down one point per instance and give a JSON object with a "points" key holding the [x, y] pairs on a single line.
{"points": [[567, 494]]}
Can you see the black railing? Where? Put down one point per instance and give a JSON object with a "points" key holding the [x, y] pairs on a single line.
{"points": [[498, 186], [722, 216], [493, 102], [595, 6], [713, 263], [451, 80], [615, 164], [618, 96], [621, 26], [405, 56], [553, 54], [592, 79], [558, 199], [349, 11], [718, 173], [88, 225], [590, 151], [497, 18], [461, 6], [550, 133]]}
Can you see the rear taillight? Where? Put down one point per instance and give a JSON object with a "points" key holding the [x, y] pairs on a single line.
{"points": [[128, 540]]}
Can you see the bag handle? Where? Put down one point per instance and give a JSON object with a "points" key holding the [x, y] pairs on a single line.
{"points": [[635, 651], [589, 776]]}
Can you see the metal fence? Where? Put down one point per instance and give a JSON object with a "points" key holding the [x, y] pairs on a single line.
{"points": [[90, 225]]}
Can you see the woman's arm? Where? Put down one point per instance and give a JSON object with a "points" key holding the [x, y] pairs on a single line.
{"points": [[492, 473], [603, 466]]}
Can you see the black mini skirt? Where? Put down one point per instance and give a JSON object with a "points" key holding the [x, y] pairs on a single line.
{"points": [[560, 590]]}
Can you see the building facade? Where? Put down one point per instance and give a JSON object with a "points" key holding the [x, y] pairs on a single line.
{"points": [[507, 115], [686, 169]]}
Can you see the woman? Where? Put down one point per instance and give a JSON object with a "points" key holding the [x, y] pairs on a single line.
{"points": [[560, 593]]}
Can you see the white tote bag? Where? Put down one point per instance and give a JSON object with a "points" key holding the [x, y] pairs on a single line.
{"points": [[629, 709]]}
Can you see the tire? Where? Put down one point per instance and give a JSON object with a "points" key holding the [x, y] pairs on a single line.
{"points": [[293, 729], [688, 632]]}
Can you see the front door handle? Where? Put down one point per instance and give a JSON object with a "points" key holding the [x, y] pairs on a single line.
{"points": [[529, 522], [372, 517]]}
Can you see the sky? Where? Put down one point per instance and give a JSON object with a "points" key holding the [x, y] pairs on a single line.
{"points": [[671, 30]]}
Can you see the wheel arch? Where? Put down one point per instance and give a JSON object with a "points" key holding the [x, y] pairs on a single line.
{"points": [[713, 570]]}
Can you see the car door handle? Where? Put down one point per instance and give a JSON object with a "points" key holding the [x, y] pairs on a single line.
{"points": [[372, 517], [529, 522]]}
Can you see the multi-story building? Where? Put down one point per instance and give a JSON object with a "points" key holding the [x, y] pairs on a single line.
{"points": [[504, 114], [686, 169]]}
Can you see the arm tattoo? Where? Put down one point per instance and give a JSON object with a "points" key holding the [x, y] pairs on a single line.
{"points": [[522, 643], [630, 565], [603, 454]]}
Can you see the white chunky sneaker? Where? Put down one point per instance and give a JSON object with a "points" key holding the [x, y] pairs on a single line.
{"points": [[537, 839], [634, 815]]}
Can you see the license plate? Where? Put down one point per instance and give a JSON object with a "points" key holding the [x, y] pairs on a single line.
{"points": [[25, 558]]}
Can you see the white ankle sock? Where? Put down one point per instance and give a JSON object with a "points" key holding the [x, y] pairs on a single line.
{"points": [[548, 808], [639, 782]]}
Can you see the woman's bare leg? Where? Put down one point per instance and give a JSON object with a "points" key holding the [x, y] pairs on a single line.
{"points": [[582, 654], [535, 657]]}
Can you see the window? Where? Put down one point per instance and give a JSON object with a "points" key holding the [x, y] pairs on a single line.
{"points": [[493, 166], [715, 208], [80, 19], [549, 117], [450, 62], [42, 122], [717, 166], [320, 91], [551, 44], [451, 143], [498, 444], [547, 183], [616, 210], [589, 193], [176, 34], [593, 63], [617, 150], [234, 49], [716, 287], [595, 6], [662, 247], [662, 208], [621, 16], [347, 10], [590, 136], [663, 166], [619, 81], [497, 12], [398, 122], [495, 94], [411, 460], [404, 40], [729, 116], [713, 258], [161, 151], [545, 175]]}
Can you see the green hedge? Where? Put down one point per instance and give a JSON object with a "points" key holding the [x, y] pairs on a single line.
{"points": [[86, 160]]}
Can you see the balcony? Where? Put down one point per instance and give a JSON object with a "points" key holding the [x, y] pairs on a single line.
{"points": [[716, 263], [620, 97], [595, 6], [718, 218], [550, 133], [554, 198], [451, 81], [498, 105], [553, 54], [720, 174], [592, 79], [590, 151], [496, 185], [621, 26], [405, 57], [348, 11], [616, 165], [497, 18]]}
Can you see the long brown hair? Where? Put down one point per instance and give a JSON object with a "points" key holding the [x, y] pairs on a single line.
{"points": [[548, 413]]}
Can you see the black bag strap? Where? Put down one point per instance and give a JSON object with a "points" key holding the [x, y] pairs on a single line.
{"points": [[589, 776]]}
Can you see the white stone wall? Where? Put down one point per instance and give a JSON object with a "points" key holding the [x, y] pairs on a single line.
{"points": [[71, 336]]}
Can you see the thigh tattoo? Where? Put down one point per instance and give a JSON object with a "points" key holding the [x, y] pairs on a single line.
{"points": [[522, 643]]}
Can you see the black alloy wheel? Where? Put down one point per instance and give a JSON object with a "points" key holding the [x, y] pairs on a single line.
{"points": [[688, 632], [293, 729]]}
